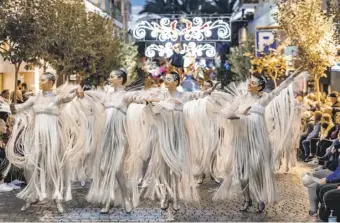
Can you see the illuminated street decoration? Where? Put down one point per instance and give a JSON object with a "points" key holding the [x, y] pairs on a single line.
{"points": [[190, 49], [197, 29]]}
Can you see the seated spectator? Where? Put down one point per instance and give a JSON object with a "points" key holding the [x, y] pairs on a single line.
{"points": [[335, 103], [314, 134], [314, 181], [332, 137], [329, 195], [19, 98], [5, 110], [323, 142], [307, 128]]}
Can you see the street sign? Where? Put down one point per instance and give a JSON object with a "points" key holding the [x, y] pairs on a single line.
{"points": [[265, 40]]}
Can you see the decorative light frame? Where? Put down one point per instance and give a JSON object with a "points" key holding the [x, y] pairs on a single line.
{"points": [[191, 49], [196, 29]]}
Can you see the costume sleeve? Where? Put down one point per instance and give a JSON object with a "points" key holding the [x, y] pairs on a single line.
{"points": [[189, 96], [95, 94], [23, 107], [135, 97], [265, 100]]}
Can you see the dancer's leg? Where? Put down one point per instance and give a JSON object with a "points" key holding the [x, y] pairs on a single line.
{"points": [[105, 209], [246, 194], [124, 189], [122, 183]]}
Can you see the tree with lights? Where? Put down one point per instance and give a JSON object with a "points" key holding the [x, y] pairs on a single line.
{"points": [[308, 28], [272, 65]]}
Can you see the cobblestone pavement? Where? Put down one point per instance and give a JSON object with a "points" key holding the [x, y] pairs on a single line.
{"points": [[292, 205]]}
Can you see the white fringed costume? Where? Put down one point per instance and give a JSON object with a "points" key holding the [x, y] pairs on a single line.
{"points": [[249, 157], [39, 143], [109, 178], [169, 175]]}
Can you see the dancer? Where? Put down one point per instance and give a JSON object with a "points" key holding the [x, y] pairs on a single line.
{"points": [[39, 141], [169, 174], [247, 145], [109, 181]]}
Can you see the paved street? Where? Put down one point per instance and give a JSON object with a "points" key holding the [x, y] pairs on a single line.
{"points": [[292, 205]]}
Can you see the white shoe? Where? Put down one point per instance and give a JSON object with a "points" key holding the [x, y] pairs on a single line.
{"points": [[17, 182], [315, 161], [83, 183], [15, 187], [5, 188], [128, 206]]}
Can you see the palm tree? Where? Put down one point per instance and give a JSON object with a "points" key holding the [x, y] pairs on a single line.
{"points": [[219, 7], [190, 7], [193, 7], [161, 7]]}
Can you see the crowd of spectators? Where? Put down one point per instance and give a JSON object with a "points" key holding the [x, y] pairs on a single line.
{"points": [[10, 177], [319, 146]]}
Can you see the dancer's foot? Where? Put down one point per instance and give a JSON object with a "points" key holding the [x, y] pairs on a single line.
{"points": [[83, 183], [170, 217], [313, 213], [176, 207], [105, 210], [246, 205], [128, 206], [164, 203], [200, 178], [260, 207], [60, 207], [26, 206]]}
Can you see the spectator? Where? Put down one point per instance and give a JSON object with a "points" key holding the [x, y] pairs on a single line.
{"points": [[329, 195], [333, 136], [314, 183], [314, 134], [26, 93], [19, 97], [335, 103], [207, 85], [5, 110], [308, 127], [324, 139]]}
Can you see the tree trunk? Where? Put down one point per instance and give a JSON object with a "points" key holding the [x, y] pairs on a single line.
{"points": [[317, 88], [17, 68], [45, 66], [60, 78]]}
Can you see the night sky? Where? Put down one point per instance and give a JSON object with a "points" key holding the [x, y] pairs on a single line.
{"points": [[137, 2]]}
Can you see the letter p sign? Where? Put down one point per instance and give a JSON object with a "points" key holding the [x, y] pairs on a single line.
{"points": [[265, 40]]}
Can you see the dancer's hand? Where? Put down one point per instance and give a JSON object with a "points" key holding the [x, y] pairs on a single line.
{"points": [[323, 181], [246, 112], [150, 100], [338, 187], [177, 102], [80, 93]]}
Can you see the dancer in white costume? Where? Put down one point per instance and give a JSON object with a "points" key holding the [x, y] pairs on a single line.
{"points": [[204, 135], [109, 179], [39, 141], [169, 175], [249, 158]]}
